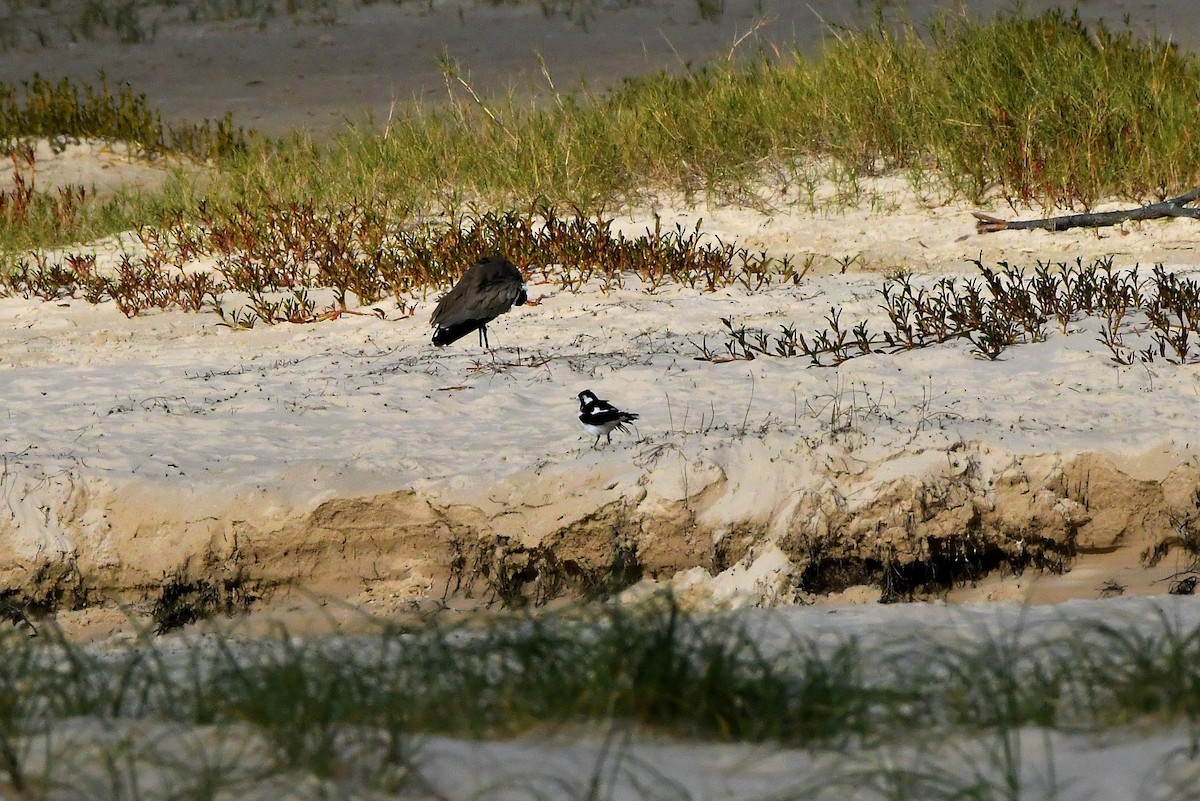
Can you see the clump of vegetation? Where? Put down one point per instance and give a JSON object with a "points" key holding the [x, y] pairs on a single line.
{"points": [[1005, 307], [277, 254], [1043, 109], [24, 208], [65, 112]]}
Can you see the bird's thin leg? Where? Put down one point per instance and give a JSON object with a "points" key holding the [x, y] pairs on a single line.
{"points": [[596, 443], [483, 330]]}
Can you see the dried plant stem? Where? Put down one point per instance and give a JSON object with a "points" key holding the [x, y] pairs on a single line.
{"points": [[986, 224]]}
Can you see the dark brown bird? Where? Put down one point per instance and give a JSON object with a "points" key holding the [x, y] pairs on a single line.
{"points": [[489, 288]]}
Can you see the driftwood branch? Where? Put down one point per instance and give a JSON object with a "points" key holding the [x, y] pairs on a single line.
{"points": [[986, 224]]}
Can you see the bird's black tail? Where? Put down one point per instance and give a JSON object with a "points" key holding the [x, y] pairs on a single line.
{"points": [[444, 335]]}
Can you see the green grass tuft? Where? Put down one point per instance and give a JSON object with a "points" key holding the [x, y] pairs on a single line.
{"points": [[65, 112]]}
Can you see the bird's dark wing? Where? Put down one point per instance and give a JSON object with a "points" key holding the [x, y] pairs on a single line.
{"points": [[487, 289], [601, 412]]}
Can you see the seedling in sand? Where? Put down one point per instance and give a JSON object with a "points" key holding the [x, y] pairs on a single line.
{"points": [[1002, 308]]}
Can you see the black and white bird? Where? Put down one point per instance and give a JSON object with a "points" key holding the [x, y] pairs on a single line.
{"points": [[599, 417], [489, 288]]}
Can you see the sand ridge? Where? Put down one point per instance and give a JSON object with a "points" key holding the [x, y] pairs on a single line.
{"points": [[354, 460]]}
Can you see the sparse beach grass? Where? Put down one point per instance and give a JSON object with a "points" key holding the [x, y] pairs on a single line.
{"points": [[1028, 109], [1041, 109], [62, 113], [354, 712]]}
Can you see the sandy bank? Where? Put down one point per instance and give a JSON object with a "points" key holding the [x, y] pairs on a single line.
{"points": [[353, 459]]}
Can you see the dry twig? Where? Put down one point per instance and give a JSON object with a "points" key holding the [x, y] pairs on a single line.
{"points": [[1174, 207]]}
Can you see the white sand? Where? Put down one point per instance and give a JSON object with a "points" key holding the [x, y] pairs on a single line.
{"points": [[352, 457]]}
